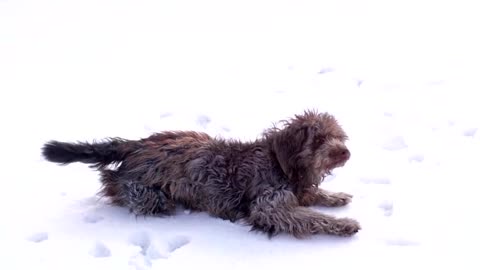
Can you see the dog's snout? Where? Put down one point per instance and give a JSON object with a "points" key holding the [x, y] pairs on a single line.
{"points": [[345, 154], [342, 154]]}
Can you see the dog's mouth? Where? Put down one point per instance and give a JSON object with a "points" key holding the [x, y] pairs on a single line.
{"points": [[325, 166], [326, 169], [323, 171], [322, 175], [340, 163], [331, 165]]}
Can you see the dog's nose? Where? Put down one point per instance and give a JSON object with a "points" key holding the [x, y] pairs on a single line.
{"points": [[345, 154]]}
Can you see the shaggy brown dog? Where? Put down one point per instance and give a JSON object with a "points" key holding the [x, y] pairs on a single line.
{"points": [[269, 183]]}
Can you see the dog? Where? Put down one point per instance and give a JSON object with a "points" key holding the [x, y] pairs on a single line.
{"points": [[268, 183]]}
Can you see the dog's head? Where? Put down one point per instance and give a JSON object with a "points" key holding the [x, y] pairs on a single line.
{"points": [[309, 146]]}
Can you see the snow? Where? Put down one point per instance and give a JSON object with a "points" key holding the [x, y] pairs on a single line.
{"points": [[401, 77], [38, 237], [100, 250]]}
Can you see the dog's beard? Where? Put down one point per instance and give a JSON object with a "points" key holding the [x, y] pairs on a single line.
{"points": [[325, 174], [325, 168], [322, 173]]}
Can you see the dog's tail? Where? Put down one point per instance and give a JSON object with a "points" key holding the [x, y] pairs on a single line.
{"points": [[99, 154]]}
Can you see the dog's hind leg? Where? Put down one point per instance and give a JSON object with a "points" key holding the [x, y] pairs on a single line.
{"points": [[278, 211], [147, 200], [141, 199]]}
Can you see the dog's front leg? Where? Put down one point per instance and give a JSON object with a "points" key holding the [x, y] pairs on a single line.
{"points": [[279, 211], [322, 197]]}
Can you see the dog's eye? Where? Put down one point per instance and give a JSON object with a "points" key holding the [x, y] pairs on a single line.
{"points": [[319, 140]]}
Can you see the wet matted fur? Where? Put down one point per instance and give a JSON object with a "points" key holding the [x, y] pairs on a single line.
{"points": [[267, 183]]}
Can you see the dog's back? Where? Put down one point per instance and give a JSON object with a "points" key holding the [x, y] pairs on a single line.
{"points": [[200, 172], [171, 167]]}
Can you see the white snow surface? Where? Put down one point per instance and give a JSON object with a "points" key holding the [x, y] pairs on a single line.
{"points": [[400, 76]]}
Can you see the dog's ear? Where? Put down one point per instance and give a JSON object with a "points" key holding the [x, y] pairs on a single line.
{"points": [[293, 149]]}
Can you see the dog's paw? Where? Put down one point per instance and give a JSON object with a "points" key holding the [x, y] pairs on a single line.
{"points": [[342, 198], [346, 227], [335, 199]]}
